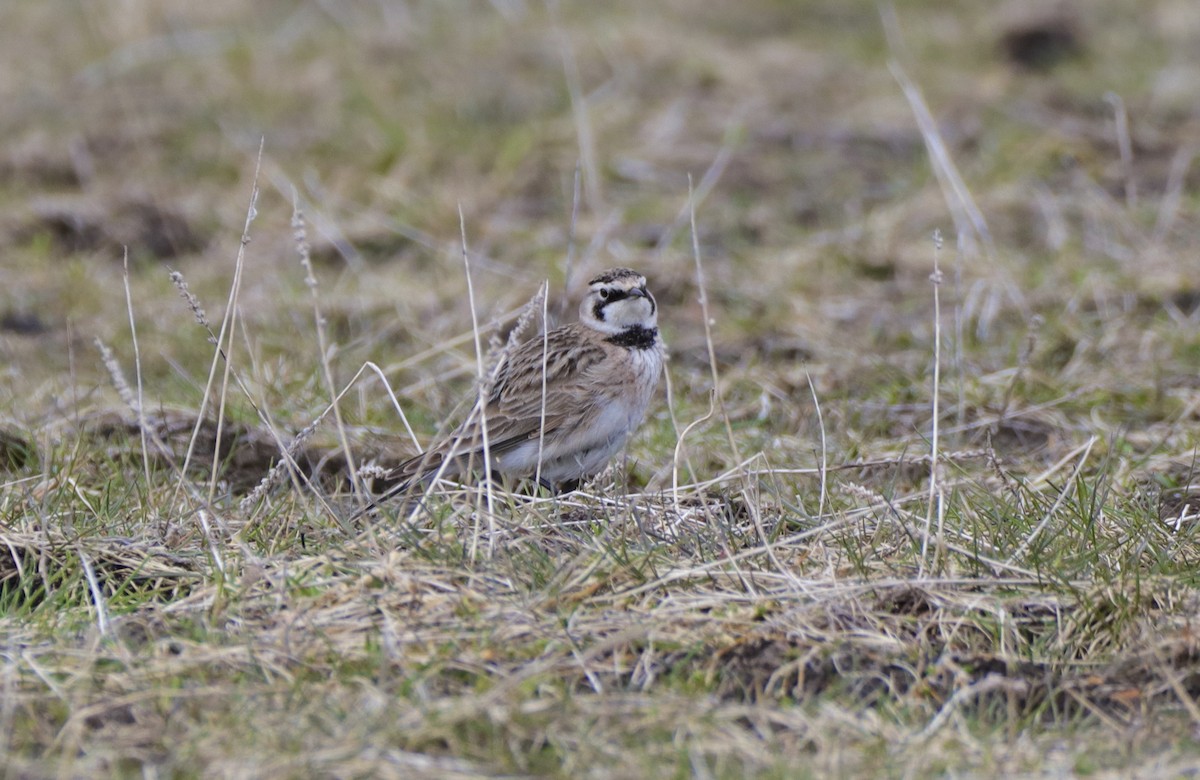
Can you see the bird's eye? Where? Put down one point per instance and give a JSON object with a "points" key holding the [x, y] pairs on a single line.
{"points": [[603, 295]]}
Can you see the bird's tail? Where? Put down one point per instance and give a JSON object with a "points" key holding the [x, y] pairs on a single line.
{"points": [[410, 479]]}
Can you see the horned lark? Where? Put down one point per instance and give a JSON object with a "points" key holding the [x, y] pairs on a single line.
{"points": [[599, 375]]}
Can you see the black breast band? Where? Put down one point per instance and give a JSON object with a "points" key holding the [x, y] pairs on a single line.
{"points": [[635, 337]]}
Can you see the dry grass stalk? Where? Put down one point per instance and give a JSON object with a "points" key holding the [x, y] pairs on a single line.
{"points": [[139, 408], [300, 236], [481, 405], [936, 497]]}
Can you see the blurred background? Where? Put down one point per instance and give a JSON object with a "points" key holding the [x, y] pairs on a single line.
{"points": [[1070, 238]]}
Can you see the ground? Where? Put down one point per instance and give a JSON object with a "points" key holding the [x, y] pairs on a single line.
{"points": [[916, 499]]}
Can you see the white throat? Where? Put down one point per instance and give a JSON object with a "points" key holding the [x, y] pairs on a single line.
{"points": [[618, 316]]}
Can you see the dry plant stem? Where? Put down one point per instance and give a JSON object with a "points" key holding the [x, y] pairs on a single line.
{"points": [[392, 395], [483, 394], [202, 318], [969, 222], [960, 409], [545, 293], [1124, 147], [935, 491], [219, 353], [708, 340], [712, 407], [310, 280], [102, 623], [940, 554], [824, 470], [670, 390], [283, 184], [229, 324], [140, 409]]}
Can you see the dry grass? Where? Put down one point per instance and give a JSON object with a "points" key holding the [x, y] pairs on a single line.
{"points": [[874, 528]]}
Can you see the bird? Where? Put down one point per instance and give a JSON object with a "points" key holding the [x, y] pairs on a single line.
{"points": [[600, 374]]}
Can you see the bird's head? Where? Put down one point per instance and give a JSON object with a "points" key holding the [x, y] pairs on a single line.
{"points": [[618, 301]]}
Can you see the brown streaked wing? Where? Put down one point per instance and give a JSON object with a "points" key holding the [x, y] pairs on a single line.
{"points": [[514, 410], [515, 407], [568, 352]]}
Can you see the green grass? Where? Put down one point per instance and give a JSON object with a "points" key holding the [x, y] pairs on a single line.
{"points": [[717, 605]]}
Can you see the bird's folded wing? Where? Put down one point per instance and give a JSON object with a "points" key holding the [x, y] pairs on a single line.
{"points": [[514, 408]]}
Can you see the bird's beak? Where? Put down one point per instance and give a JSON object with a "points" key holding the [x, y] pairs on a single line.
{"points": [[639, 292]]}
